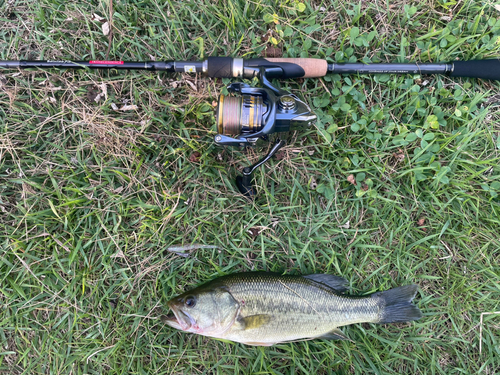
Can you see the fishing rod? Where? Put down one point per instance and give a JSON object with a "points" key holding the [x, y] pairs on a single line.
{"points": [[249, 116]]}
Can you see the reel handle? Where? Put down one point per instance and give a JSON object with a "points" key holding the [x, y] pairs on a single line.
{"points": [[244, 183]]}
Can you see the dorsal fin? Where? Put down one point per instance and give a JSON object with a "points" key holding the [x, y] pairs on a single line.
{"points": [[335, 282]]}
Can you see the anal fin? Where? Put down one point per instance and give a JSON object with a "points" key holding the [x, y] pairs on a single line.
{"points": [[335, 334]]}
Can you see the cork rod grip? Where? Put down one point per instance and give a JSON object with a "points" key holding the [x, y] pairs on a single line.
{"points": [[313, 68]]}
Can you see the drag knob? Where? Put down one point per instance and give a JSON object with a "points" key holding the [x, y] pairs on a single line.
{"points": [[287, 103]]}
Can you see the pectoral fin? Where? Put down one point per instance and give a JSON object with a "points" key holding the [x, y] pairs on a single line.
{"points": [[254, 321], [336, 334]]}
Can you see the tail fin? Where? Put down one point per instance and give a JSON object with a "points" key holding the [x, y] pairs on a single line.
{"points": [[397, 304]]}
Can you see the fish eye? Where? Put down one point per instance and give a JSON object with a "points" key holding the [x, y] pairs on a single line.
{"points": [[190, 301]]}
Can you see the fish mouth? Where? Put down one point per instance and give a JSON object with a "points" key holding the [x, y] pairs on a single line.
{"points": [[179, 319]]}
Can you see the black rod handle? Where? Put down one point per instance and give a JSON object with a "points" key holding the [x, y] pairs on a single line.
{"points": [[484, 69]]}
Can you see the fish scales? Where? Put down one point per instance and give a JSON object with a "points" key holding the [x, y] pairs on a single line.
{"points": [[297, 308], [261, 308]]}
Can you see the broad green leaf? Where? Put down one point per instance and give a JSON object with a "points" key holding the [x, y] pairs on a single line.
{"points": [[300, 6], [354, 33]]}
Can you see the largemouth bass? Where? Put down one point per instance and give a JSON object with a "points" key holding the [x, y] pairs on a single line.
{"points": [[259, 308]]}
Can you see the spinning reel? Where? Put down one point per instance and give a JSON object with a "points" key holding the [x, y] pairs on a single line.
{"points": [[250, 115]]}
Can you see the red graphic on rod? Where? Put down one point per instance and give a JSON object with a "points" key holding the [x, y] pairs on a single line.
{"points": [[106, 62]]}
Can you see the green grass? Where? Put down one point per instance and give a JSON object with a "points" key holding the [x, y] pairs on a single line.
{"points": [[91, 198]]}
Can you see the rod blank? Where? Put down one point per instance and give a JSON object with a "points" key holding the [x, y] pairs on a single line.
{"points": [[396, 68]]}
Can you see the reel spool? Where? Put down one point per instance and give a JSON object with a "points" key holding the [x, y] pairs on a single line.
{"points": [[240, 114], [252, 114]]}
